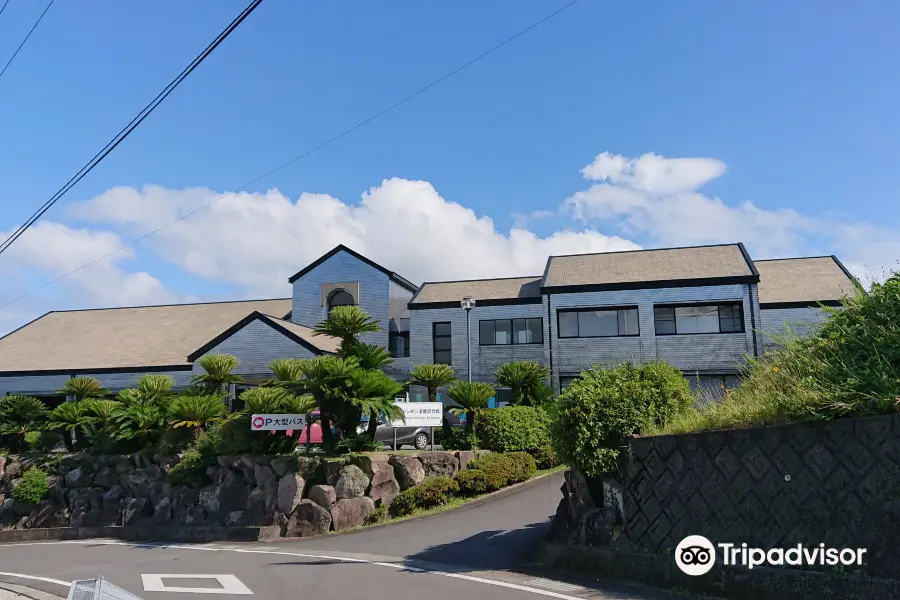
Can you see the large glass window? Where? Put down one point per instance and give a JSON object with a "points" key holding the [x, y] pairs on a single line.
{"points": [[714, 318], [440, 335], [340, 298], [598, 323], [502, 332]]}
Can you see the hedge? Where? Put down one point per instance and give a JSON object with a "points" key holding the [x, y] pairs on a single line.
{"points": [[517, 429], [432, 492]]}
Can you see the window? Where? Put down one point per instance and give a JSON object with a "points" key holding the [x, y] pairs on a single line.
{"points": [[398, 344], [440, 335], [503, 332], [566, 380], [712, 387], [610, 322], [340, 298], [712, 318]]}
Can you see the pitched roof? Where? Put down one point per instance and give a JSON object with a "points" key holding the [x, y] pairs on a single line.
{"points": [[305, 336], [401, 281], [121, 338], [802, 281], [484, 291], [635, 269]]}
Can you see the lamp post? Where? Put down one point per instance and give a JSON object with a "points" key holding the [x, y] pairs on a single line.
{"points": [[468, 303]]}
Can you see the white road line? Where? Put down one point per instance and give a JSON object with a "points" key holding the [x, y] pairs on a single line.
{"points": [[228, 584], [472, 578], [554, 585], [36, 578]]}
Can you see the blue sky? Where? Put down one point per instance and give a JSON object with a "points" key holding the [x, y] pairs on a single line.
{"points": [[796, 103]]}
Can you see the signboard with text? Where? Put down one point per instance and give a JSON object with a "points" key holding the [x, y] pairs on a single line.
{"points": [[420, 414], [277, 422]]}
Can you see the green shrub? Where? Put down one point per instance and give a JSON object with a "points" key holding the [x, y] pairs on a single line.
{"points": [[434, 491], [235, 438], [545, 457], [199, 456], [598, 411], [455, 438], [502, 470], [356, 443], [516, 429], [379, 515], [472, 482], [32, 488], [33, 439]]}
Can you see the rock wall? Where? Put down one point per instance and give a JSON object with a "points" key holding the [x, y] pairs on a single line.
{"points": [[304, 496]]}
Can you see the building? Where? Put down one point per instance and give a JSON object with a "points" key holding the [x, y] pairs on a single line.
{"points": [[703, 309]]}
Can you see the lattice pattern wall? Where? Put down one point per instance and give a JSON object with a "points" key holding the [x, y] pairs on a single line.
{"points": [[835, 482]]}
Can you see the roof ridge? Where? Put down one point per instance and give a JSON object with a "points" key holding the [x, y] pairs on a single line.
{"points": [[70, 310], [829, 256], [736, 244], [424, 283]]}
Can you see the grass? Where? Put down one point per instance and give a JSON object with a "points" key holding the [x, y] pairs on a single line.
{"points": [[455, 502]]}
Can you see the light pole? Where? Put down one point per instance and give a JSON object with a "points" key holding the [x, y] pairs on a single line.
{"points": [[468, 303]]}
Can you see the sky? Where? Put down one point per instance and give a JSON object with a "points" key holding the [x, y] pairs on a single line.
{"points": [[611, 126]]}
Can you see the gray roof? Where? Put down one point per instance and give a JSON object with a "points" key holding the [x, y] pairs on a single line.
{"points": [[639, 266], [799, 280], [480, 289], [325, 343], [141, 336]]}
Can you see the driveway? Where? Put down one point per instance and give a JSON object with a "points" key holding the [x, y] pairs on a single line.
{"points": [[478, 551]]}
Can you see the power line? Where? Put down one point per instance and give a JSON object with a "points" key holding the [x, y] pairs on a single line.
{"points": [[306, 153], [2, 8], [33, 27], [126, 131]]}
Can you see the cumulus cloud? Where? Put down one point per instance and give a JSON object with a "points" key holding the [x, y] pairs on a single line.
{"points": [[653, 173], [259, 240]]}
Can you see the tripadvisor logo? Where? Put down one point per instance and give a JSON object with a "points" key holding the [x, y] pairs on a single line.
{"points": [[696, 555]]}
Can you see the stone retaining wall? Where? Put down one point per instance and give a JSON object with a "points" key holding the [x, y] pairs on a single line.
{"points": [[299, 495]]}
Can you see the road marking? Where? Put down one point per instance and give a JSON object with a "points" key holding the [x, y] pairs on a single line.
{"points": [[229, 584], [36, 578], [559, 586], [399, 566]]}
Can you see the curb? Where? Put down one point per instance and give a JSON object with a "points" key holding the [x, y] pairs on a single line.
{"points": [[27, 592]]}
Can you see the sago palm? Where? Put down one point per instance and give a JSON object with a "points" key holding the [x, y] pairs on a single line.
{"points": [[149, 389], [83, 387], [346, 323], [287, 370], [143, 423], [373, 393], [196, 412], [218, 371], [19, 414], [370, 356], [521, 376], [263, 400], [432, 377], [70, 418], [470, 396]]}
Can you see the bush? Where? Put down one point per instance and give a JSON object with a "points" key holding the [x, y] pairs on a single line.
{"points": [[545, 457], [456, 439], [379, 515], [199, 456], [432, 492], [516, 429], [235, 438], [33, 439], [32, 488], [597, 412], [501, 470], [472, 482]]}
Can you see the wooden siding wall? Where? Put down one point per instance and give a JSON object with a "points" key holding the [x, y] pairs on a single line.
{"points": [[49, 384], [484, 358], [374, 292], [800, 321], [256, 345], [711, 353]]}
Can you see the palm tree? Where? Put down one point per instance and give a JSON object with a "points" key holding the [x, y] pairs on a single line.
{"points": [[143, 422], [470, 396], [149, 389], [521, 376], [21, 414], [263, 400], [373, 394], [432, 377], [287, 369], [70, 417], [370, 356], [288, 376], [83, 387], [196, 412], [218, 373], [346, 323]]}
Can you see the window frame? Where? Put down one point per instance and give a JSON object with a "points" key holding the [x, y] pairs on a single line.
{"points": [[435, 336], [738, 303], [579, 309], [392, 340], [512, 331]]}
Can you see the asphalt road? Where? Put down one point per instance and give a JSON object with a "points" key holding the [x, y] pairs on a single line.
{"points": [[479, 551]]}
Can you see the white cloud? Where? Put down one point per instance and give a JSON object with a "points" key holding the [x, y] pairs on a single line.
{"points": [[259, 240], [653, 173]]}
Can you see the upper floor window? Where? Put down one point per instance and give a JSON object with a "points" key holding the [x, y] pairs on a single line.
{"points": [[607, 322], [709, 318], [398, 344], [340, 298], [502, 332], [440, 336]]}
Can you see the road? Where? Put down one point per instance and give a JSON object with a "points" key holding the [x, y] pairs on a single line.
{"points": [[478, 551]]}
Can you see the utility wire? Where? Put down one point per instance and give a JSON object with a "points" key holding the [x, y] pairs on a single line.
{"points": [[2, 8], [33, 27], [306, 153], [126, 131]]}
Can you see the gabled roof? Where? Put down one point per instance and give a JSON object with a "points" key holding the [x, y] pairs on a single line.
{"points": [[486, 292], [801, 282], [342, 248], [642, 269], [111, 339], [305, 336]]}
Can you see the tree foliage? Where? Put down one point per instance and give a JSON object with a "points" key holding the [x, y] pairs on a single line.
{"points": [[432, 377], [218, 371], [524, 379], [470, 396]]}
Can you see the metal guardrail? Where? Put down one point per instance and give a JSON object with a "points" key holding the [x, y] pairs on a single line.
{"points": [[98, 589]]}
